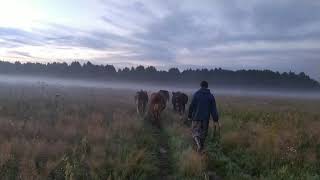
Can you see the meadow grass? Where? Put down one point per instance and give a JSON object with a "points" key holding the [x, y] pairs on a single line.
{"points": [[273, 139], [261, 138], [91, 133], [77, 137]]}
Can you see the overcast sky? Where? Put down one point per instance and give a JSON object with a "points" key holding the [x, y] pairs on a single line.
{"points": [[281, 35]]}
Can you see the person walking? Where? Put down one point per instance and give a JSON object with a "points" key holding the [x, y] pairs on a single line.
{"points": [[202, 106]]}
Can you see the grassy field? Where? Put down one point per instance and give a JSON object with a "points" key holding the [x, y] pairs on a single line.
{"points": [[90, 133]]}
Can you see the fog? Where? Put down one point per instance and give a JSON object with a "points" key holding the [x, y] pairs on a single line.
{"points": [[20, 81]]}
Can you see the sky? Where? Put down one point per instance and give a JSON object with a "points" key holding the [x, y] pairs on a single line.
{"points": [[281, 35]]}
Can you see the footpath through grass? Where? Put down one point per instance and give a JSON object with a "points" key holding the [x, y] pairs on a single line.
{"points": [[186, 163]]}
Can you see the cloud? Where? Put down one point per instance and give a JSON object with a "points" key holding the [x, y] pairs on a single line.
{"points": [[63, 36], [21, 54], [277, 35], [235, 34], [285, 16], [18, 37]]}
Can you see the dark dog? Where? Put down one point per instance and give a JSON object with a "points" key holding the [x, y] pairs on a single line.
{"points": [[141, 99], [179, 101]]}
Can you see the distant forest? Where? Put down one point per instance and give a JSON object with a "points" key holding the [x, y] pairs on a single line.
{"points": [[216, 77]]}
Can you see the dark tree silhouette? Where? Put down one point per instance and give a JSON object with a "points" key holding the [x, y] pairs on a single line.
{"points": [[217, 76]]}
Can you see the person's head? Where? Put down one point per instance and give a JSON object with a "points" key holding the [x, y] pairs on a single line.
{"points": [[204, 84]]}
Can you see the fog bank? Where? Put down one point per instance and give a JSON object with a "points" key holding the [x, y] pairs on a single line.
{"points": [[57, 82]]}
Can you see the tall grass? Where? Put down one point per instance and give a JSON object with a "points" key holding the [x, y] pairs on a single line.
{"points": [[74, 137], [260, 139], [84, 133], [274, 140]]}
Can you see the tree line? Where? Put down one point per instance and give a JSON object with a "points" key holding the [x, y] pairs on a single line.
{"points": [[217, 77]]}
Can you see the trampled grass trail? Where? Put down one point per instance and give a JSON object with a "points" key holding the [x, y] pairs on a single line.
{"points": [[164, 156], [176, 155], [163, 152]]}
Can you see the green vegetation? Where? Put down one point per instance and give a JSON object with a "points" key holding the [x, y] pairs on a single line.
{"points": [[84, 133]]}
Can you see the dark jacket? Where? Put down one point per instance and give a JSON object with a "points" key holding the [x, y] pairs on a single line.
{"points": [[202, 106]]}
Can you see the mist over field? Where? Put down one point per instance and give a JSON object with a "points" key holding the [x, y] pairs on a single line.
{"points": [[49, 82]]}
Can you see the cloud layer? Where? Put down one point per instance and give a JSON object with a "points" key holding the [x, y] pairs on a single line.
{"points": [[281, 35]]}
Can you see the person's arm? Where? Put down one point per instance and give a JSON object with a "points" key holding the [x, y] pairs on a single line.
{"points": [[192, 106], [214, 111]]}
